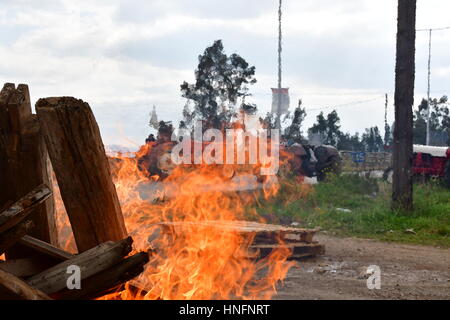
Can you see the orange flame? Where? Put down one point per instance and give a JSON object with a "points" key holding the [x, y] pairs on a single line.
{"points": [[182, 220]]}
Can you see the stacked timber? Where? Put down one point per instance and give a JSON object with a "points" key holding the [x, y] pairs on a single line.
{"points": [[64, 131]]}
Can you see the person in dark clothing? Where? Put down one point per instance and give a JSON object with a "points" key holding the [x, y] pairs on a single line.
{"points": [[151, 138]]}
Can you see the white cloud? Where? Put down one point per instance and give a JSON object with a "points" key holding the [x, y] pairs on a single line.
{"points": [[335, 52]]}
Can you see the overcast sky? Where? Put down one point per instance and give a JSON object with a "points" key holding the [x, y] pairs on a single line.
{"points": [[123, 56]]}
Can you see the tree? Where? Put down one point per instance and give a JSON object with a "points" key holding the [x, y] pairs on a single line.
{"points": [[269, 122], [221, 83], [350, 142], [402, 197], [439, 122], [419, 128], [334, 127], [328, 128], [372, 140], [294, 131]]}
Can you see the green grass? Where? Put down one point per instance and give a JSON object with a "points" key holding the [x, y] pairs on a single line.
{"points": [[370, 216]]}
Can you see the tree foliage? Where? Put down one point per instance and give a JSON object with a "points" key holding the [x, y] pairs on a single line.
{"points": [[372, 140], [221, 83], [294, 132], [328, 128], [439, 122]]}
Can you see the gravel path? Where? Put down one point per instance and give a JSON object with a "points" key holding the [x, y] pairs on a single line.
{"points": [[407, 272]]}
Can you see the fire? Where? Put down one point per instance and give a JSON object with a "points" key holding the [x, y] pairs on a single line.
{"points": [[193, 256]]}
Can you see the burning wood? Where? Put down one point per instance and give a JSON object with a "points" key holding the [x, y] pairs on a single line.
{"points": [[109, 281], [88, 194], [82, 170], [23, 160], [103, 269], [12, 287], [23, 268], [44, 249], [264, 238], [10, 237], [90, 262], [22, 208], [203, 239]]}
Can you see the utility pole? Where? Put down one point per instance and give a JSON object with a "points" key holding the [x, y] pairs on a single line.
{"points": [[428, 90], [402, 195], [386, 125], [386, 103], [280, 49]]}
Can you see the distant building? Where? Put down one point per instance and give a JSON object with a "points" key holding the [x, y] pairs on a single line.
{"points": [[154, 123]]}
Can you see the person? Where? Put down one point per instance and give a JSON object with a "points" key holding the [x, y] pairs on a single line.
{"points": [[150, 138], [328, 161]]}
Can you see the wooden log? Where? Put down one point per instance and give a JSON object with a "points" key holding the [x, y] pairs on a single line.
{"points": [[82, 170], [45, 249], [13, 235], [90, 262], [6, 206], [42, 254], [108, 281], [23, 268], [23, 207], [13, 288], [23, 158]]}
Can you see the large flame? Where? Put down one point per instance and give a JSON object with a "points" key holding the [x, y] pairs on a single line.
{"points": [[191, 259]]}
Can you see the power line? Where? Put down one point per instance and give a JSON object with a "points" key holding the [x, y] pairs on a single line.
{"points": [[347, 104], [433, 29]]}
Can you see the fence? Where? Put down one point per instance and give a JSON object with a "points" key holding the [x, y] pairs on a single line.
{"points": [[365, 161]]}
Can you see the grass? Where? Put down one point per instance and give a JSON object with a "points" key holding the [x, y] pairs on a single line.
{"points": [[370, 217]]}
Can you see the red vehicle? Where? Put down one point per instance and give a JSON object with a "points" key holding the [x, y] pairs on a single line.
{"points": [[429, 162]]}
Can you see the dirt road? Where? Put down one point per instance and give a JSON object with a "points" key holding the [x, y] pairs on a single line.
{"points": [[407, 272]]}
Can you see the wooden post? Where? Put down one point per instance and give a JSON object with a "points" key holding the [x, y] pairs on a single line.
{"points": [[82, 171], [402, 197], [23, 160]]}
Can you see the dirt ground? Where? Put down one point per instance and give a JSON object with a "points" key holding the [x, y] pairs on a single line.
{"points": [[407, 272]]}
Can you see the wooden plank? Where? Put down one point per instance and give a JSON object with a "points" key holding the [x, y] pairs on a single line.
{"points": [[13, 235], [108, 281], [45, 249], [12, 288], [262, 233], [90, 262], [23, 158], [239, 226], [23, 207], [79, 160], [23, 267]]}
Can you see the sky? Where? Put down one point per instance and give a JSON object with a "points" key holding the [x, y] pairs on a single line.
{"points": [[124, 56]]}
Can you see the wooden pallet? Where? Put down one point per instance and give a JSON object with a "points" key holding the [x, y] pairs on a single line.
{"points": [[266, 237]]}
